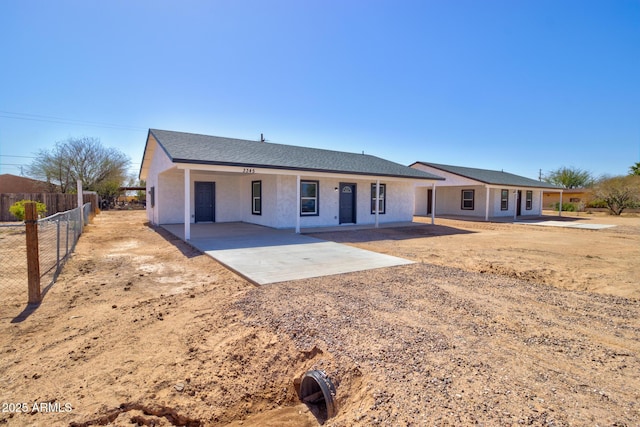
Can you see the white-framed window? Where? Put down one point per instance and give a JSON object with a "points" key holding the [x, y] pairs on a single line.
{"points": [[382, 201], [529, 200], [309, 200], [468, 198], [256, 197], [504, 200]]}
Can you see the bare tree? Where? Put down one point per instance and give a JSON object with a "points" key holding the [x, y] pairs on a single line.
{"points": [[619, 193], [80, 158]]}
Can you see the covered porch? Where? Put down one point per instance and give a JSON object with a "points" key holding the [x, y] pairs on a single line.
{"points": [[190, 195]]}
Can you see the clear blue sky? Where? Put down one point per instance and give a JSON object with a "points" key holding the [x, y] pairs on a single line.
{"points": [[517, 85]]}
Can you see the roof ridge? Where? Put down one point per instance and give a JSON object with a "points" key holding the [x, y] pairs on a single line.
{"points": [[272, 143], [202, 134]]}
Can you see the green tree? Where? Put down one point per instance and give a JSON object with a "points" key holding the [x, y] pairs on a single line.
{"points": [[80, 158], [618, 193], [141, 195], [569, 177], [108, 190], [17, 209], [635, 169]]}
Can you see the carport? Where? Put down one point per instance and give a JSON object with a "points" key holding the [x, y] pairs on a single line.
{"points": [[265, 255]]}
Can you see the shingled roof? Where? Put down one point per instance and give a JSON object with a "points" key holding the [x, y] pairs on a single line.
{"points": [[491, 177], [214, 150]]}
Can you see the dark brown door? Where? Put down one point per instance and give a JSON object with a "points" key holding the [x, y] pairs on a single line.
{"points": [[347, 203], [519, 204], [205, 201]]}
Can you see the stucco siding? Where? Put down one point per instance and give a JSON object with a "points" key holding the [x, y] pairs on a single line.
{"points": [[450, 178], [170, 198], [399, 203], [449, 201], [159, 164], [269, 200]]}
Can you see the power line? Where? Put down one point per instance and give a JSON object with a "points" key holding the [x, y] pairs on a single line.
{"points": [[24, 157], [63, 120]]}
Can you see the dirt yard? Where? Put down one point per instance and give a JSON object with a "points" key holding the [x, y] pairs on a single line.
{"points": [[495, 324]]}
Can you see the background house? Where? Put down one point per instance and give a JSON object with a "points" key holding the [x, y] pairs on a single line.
{"points": [[199, 178], [480, 193], [20, 184], [578, 197]]}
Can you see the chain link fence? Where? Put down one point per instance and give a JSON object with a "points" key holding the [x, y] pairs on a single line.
{"points": [[13, 267], [57, 238]]}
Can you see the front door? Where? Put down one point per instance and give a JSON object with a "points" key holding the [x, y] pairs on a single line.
{"points": [[347, 203], [429, 201], [205, 201], [519, 203]]}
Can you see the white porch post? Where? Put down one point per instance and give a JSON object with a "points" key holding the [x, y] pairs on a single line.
{"points": [[541, 201], [560, 206], [433, 203], [377, 200], [486, 204], [187, 204], [297, 204]]}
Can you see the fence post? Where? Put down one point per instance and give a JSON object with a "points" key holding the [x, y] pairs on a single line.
{"points": [[58, 244], [33, 261], [80, 200]]}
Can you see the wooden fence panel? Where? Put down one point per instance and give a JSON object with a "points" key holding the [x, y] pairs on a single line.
{"points": [[55, 202]]}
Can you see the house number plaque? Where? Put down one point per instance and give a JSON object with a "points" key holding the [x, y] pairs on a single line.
{"points": [[248, 170]]}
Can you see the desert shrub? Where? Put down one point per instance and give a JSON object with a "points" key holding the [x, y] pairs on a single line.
{"points": [[567, 207], [597, 204], [17, 209]]}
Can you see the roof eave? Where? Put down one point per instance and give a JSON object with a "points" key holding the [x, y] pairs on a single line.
{"points": [[301, 169]]}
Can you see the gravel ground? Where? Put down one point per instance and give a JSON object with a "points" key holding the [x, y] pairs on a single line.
{"points": [[431, 345]]}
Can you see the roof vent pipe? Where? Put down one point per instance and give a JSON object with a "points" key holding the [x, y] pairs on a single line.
{"points": [[262, 138]]}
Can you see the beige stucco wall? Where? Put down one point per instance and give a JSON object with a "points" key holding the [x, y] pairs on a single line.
{"points": [[580, 198]]}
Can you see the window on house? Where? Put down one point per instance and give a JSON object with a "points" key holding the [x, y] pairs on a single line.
{"points": [[152, 196], [309, 198], [504, 200], [382, 201], [529, 200], [256, 197], [468, 199], [574, 199]]}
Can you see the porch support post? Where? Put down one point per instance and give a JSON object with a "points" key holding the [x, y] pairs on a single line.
{"points": [[297, 204], [377, 200], [560, 205], [541, 201], [486, 204], [187, 204], [433, 203]]}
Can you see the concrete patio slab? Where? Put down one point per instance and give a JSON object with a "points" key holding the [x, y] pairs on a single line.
{"points": [[264, 255], [567, 224]]}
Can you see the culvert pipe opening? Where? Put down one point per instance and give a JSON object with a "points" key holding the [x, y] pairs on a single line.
{"points": [[318, 392]]}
